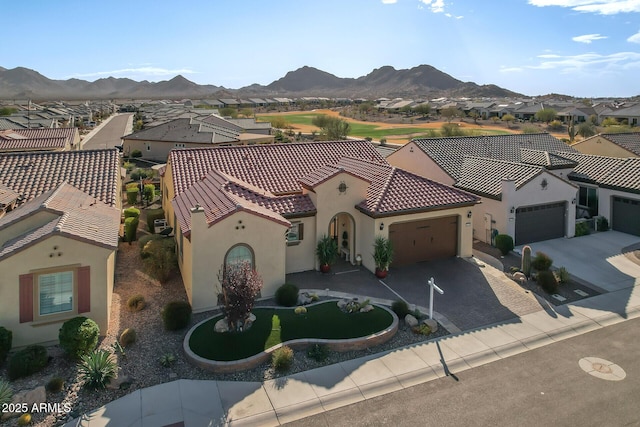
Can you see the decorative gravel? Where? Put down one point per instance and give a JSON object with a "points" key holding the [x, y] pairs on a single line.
{"points": [[140, 361]]}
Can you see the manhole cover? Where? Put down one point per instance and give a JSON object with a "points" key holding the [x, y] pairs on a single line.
{"points": [[602, 369]]}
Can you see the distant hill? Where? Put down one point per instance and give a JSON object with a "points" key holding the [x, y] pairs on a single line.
{"points": [[420, 81]]}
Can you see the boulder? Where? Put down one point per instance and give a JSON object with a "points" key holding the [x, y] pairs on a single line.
{"points": [[221, 326], [120, 381], [249, 321], [342, 304], [519, 277], [367, 308], [304, 298], [36, 396], [432, 324], [410, 320]]}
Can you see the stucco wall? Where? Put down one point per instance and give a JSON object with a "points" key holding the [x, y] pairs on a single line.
{"points": [[605, 201], [413, 159], [602, 147], [301, 256], [102, 262]]}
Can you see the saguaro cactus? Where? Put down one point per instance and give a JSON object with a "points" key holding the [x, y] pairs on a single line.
{"points": [[526, 261]]}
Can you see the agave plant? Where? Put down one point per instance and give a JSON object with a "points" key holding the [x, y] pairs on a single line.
{"points": [[5, 393], [97, 369]]}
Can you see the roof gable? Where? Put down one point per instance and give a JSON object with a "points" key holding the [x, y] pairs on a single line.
{"points": [[484, 176]]}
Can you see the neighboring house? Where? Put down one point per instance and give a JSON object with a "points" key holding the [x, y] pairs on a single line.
{"points": [[629, 114], [39, 139], [270, 204], [58, 243], [521, 179], [609, 187], [156, 142], [611, 145]]}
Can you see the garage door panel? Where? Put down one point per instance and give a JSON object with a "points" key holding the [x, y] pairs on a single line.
{"points": [[540, 222], [626, 215], [424, 240]]}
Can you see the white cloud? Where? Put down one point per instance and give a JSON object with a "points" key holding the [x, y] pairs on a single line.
{"points": [[601, 7], [511, 69], [592, 62], [588, 38], [436, 6], [389, 1], [634, 38], [146, 71]]}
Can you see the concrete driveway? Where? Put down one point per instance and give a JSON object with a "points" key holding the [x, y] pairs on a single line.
{"points": [[597, 259]]}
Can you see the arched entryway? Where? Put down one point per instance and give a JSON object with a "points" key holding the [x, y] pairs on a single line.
{"points": [[342, 228]]}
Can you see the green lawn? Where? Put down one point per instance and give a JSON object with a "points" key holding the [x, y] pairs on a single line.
{"points": [[273, 326]]}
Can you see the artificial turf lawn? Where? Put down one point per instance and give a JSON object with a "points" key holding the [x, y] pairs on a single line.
{"points": [[276, 325]]}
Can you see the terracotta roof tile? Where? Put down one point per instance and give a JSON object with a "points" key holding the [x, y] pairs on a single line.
{"points": [[37, 139]]}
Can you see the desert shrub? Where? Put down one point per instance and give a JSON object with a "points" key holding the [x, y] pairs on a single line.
{"points": [[54, 385], [287, 295], [132, 213], [6, 393], [422, 329], [130, 229], [582, 229], [541, 261], [142, 244], [152, 215], [547, 281], [27, 361], [602, 224], [562, 275], [127, 337], [176, 315], [136, 153], [6, 339], [300, 310], [136, 303], [555, 124], [132, 195], [97, 369], [149, 191], [400, 308], [24, 419], [160, 258], [318, 352], [167, 359], [504, 243], [282, 358], [79, 336]]}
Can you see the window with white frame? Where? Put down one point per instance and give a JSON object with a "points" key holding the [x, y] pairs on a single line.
{"points": [[295, 233], [239, 253], [55, 291]]}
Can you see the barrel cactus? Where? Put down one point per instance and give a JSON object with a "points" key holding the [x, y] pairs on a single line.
{"points": [[526, 261]]}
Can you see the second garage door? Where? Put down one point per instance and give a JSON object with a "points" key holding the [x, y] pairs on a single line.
{"points": [[424, 240], [626, 216], [540, 222]]}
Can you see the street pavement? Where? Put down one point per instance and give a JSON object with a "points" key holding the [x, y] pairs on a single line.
{"points": [[108, 134]]}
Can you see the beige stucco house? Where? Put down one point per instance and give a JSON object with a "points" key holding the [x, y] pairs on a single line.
{"points": [[522, 180], [621, 145], [58, 244], [270, 205]]}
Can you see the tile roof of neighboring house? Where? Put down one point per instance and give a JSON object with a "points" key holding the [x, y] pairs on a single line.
{"points": [[626, 177], [7, 195], [545, 159], [95, 172], [609, 172], [484, 176], [187, 130], [276, 168], [625, 112], [37, 139], [78, 216], [629, 141], [449, 153]]}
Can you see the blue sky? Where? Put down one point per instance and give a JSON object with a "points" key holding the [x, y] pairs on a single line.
{"points": [[586, 48]]}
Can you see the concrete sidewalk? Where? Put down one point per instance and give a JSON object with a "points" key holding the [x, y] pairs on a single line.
{"points": [[209, 403]]}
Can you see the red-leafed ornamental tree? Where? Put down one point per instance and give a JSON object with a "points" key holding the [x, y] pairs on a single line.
{"points": [[241, 285]]}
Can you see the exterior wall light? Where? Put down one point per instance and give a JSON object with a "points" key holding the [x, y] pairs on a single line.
{"points": [[512, 210], [381, 226]]}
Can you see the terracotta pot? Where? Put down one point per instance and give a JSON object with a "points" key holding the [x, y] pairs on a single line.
{"points": [[325, 268], [381, 274]]}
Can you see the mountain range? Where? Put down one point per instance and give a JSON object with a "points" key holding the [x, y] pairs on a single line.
{"points": [[420, 81]]}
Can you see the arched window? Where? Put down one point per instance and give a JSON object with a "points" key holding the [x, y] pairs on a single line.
{"points": [[238, 254]]}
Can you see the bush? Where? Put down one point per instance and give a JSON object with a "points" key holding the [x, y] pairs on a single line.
{"points": [[582, 229], [142, 244], [152, 215], [562, 275], [422, 329], [97, 369], [136, 153], [282, 358], [149, 191], [5, 392], [602, 224], [300, 310], [176, 315], [27, 361], [127, 337], [130, 229], [24, 419], [54, 385], [400, 308], [132, 195], [541, 261], [504, 243], [287, 295], [547, 281], [167, 359], [79, 336], [6, 338], [160, 258], [318, 352], [132, 213], [136, 303]]}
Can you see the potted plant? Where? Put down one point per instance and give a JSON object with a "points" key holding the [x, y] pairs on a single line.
{"points": [[327, 252], [382, 256]]}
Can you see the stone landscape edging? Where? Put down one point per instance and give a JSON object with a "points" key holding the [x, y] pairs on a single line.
{"points": [[339, 345]]}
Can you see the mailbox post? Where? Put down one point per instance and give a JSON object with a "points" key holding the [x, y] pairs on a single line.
{"points": [[432, 286]]}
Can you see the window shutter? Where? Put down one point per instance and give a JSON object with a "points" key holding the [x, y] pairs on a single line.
{"points": [[26, 298], [84, 289], [300, 231]]}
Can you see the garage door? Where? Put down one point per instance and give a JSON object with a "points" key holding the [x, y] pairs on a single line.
{"points": [[424, 240], [626, 215], [540, 222]]}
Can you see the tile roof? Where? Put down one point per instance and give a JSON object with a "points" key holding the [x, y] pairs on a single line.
{"points": [[545, 159], [449, 153], [626, 177], [276, 168], [96, 172], [484, 176], [592, 168], [37, 139], [78, 216], [187, 130], [7, 195], [629, 141]]}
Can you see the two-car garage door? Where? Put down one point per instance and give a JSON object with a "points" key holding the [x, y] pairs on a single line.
{"points": [[540, 222], [626, 215], [424, 240]]}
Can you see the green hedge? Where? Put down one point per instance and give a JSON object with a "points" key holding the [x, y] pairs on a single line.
{"points": [[132, 212], [130, 229], [176, 315], [152, 215], [79, 336], [504, 243], [132, 195], [28, 361]]}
